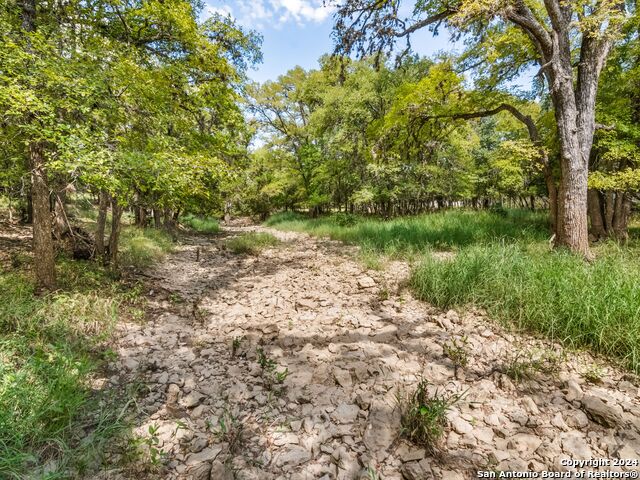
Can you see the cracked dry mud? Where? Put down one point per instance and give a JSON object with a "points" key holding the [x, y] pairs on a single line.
{"points": [[350, 339]]}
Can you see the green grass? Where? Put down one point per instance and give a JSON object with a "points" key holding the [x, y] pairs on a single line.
{"points": [[406, 236], [142, 247], [594, 305], [201, 224], [251, 243], [49, 347], [503, 263]]}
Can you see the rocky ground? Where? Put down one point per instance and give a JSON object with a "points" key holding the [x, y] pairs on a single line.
{"points": [[289, 364]]}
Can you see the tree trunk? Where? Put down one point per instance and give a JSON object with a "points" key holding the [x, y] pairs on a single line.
{"points": [[621, 216], [103, 205], [572, 227], [609, 211], [168, 220], [598, 230], [157, 221], [141, 216], [60, 218], [43, 251], [114, 237]]}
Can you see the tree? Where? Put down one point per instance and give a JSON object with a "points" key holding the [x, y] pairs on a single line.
{"points": [[569, 41], [136, 102]]}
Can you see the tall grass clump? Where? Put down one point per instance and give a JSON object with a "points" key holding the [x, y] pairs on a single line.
{"points": [[252, 243], [403, 236], [142, 247], [594, 305], [49, 346], [201, 224]]}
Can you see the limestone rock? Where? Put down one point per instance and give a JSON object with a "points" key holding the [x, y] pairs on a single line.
{"points": [[607, 414], [366, 282], [382, 429]]}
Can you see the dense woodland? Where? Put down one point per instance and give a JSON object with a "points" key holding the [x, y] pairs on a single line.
{"points": [[133, 103], [145, 108]]}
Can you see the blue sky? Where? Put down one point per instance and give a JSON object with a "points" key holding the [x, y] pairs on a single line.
{"points": [[297, 32]]}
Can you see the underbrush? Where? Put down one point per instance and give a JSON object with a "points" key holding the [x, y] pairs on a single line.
{"points": [[142, 247], [201, 224], [52, 423], [594, 305], [251, 243], [407, 236]]}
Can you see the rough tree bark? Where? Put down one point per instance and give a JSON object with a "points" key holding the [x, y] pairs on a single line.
{"points": [[43, 251], [598, 228], [157, 220], [574, 98]]}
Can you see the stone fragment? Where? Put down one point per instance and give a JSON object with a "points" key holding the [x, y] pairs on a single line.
{"points": [[604, 413], [460, 425], [382, 429], [220, 472], [201, 471], [366, 282], [206, 455], [525, 443], [280, 439], [342, 377], [576, 446], [292, 457], [192, 399], [345, 413]]}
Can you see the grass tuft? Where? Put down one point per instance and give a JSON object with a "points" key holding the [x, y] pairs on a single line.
{"points": [[424, 415], [142, 247], [201, 224], [252, 243]]}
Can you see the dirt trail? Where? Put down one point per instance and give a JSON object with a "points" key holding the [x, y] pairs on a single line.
{"points": [[349, 339]]}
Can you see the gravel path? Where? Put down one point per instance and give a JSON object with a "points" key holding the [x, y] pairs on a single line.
{"points": [[348, 341]]}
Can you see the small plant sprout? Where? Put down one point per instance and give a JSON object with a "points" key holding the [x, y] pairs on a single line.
{"points": [[175, 298], [235, 345], [230, 430], [593, 373], [156, 454], [423, 415], [264, 361], [526, 363], [371, 473], [270, 374], [457, 350], [280, 377]]}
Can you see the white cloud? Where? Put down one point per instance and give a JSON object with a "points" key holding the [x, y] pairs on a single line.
{"points": [[303, 10], [260, 13], [223, 10]]}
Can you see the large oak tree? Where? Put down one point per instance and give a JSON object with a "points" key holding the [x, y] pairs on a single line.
{"points": [[568, 40]]}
